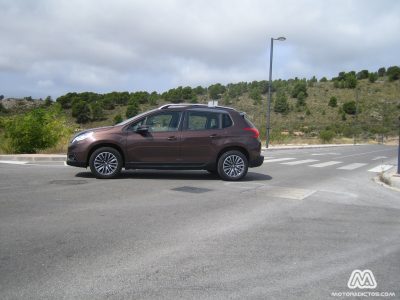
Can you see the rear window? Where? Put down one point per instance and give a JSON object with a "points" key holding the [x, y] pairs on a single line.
{"points": [[226, 121], [247, 120]]}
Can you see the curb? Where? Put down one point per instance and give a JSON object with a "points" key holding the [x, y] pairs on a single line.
{"points": [[33, 157], [291, 147], [392, 177]]}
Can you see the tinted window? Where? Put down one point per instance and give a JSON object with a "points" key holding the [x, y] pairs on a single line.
{"points": [[226, 121], [199, 120], [165, 121]]}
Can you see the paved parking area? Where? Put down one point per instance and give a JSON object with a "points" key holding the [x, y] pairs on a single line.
{"points": [[295, 228]]}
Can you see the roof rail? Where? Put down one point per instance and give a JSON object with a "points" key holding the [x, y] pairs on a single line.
{"points": [[165, 106], [180, 105]]}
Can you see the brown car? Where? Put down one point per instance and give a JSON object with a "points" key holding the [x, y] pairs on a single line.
{"points": [[174, 136]]}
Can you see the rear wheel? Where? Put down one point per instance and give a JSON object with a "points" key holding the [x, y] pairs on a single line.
{"points": [[232, 165], [105, 162]]}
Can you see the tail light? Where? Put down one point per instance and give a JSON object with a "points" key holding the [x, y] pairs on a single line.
{"points": [[254, 130]]}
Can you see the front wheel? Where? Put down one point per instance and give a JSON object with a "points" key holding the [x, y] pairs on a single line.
{"points": [[232, 165], [105, 163]]}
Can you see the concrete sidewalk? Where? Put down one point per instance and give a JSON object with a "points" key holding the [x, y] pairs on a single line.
{"points": [[33, 157], [306, 146]]}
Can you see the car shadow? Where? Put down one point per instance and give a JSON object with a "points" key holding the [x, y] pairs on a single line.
{"points": [[174, 175]]}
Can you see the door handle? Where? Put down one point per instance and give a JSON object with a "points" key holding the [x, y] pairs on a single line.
{"points": [[171, 138], [213, 135]]}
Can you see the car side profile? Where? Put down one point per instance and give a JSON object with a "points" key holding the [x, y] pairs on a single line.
{"points": [[174, 136]]}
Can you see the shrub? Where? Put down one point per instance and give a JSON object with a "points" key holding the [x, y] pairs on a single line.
{"points": [[281, 105], [326, 136], [36, 130], [350, 107], [333, 101]]}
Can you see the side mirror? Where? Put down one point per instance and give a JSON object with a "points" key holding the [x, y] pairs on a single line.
{"points": [[142, 129]]}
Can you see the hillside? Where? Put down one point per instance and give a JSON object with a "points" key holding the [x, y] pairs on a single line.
{"points": [[352, 105]]}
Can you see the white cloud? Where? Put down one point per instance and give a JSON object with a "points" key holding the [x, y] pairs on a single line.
{"points": [[104, 45]]}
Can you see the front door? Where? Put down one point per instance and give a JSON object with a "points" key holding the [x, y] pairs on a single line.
{"points": [[158, 145]]}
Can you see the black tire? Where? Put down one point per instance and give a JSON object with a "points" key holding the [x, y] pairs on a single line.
{"points": [[232, 165], [105, 163]]}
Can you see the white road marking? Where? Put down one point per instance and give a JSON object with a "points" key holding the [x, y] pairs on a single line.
{"points": [[328, 153], [326, 164], [299, 162], [380, 168], [352, 166], [278, 159], [379, 157], [12, 162]]}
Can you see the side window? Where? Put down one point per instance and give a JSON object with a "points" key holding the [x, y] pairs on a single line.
{"points": [[200, 120], [226, 121], [165, 121]]}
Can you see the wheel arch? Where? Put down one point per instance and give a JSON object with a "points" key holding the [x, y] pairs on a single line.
{"points": [[230, 148], [101, 145]]}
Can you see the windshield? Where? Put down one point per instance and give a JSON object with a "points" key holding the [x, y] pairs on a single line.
{"points": [[134, 118]]}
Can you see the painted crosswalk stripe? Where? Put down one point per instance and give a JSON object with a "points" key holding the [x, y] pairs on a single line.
{"points": [[379, 157], [326, 164], [278, 159], [352, 166], [380, 168], [299, 162]]}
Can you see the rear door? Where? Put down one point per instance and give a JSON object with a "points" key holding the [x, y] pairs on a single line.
{"points": [[200, 138]]}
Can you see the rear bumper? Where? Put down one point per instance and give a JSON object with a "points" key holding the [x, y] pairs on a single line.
{"points": [[256, 162]]}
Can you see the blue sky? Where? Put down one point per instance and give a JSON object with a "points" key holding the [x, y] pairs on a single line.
{"points": [[51, 47]]}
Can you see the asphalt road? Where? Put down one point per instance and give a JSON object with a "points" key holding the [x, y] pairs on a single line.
{"points": [[295, 228]]}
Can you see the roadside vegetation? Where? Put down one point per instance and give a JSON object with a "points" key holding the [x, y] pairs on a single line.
{"points": [[360, 105]]}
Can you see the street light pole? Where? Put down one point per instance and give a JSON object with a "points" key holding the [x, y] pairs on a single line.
{"points": [[398, 153], [269, 89]]}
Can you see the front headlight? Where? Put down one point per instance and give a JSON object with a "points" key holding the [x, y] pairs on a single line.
{"points": [[82, 137]]}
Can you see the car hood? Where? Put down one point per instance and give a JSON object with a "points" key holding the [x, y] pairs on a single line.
{"points": [[97, 129]]}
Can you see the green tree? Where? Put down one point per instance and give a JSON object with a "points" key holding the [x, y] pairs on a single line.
{"points": [[350, 107], [382, 72], [199, 90], [48, 101], [216, 90], [372, 77], [2, 108], [81, 111], [299, 87], [332, 101], [350, 80], [255, 94], [393, 73], [118, 119], [364, 74], [36, 130], [281, 103], [97, 112], [132, 110], [323, 79], [301, 99]]}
